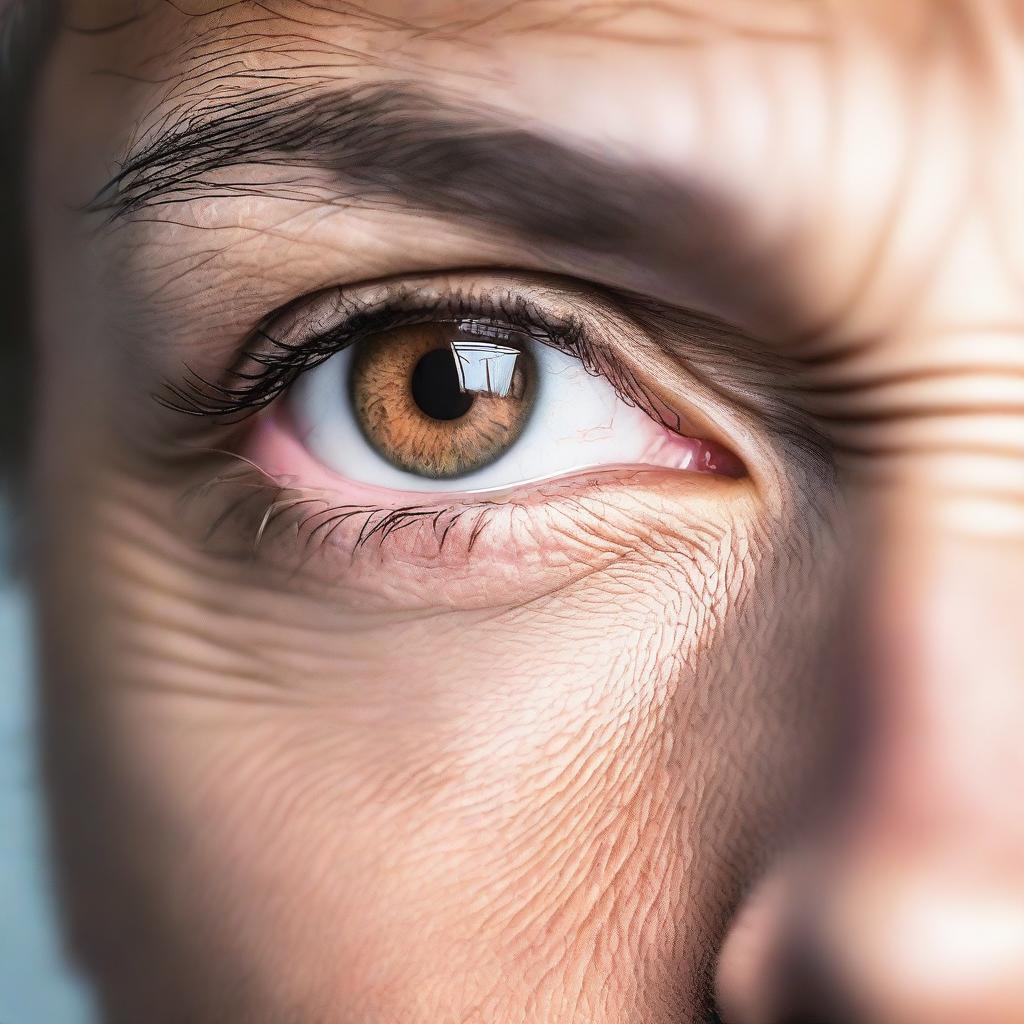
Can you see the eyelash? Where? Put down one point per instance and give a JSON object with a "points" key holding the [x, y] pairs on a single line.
{"points": [[266, 506], [269, 365], [381, 523]]}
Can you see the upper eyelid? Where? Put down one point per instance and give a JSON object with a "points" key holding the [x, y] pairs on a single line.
{"points": [[407, 299], [296, 338], [635, 343]]}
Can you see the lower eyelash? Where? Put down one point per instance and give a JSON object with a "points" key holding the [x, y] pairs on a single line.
{"points": [[379, 524], [262, 507]]}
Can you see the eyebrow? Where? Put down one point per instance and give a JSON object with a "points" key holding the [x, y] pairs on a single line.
{"points": [[393, 147], [388, 143]]}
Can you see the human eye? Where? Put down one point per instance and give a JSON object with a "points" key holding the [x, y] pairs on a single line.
{"points": [[481, 393], [404, 411]]}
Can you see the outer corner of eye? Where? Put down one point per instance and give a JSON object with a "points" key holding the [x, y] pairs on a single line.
{"points": [[462, 407]]}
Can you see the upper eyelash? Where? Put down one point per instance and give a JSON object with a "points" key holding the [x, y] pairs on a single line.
{"points": [[269, 365]]}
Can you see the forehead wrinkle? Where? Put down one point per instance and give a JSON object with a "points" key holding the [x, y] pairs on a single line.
{"points": [[230, 54], [201, 26], [393, 30], [684, 17], [211, 50]]}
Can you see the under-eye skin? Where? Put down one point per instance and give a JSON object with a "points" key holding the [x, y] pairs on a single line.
{"points": [[414, 404], [476, 417]]}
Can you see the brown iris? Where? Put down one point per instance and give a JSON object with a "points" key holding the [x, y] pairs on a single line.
{"points": [[417, 410]]}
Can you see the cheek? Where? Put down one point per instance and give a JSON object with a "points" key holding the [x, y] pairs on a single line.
{"points": [[447, 811], [466, 806]]}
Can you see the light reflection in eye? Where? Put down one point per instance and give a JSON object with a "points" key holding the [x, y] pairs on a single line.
{"points": [[485, 368]]}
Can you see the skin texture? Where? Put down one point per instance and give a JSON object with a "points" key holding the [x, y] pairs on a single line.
{"points": [[655, 746]]}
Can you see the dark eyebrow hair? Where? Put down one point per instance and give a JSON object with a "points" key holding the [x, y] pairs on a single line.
{"points": [[397, 147], [389, 144]]}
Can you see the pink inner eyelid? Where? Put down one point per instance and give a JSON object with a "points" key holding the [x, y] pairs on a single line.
{"points": [[275, 447]]}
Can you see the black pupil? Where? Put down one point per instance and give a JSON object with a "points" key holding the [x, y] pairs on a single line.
{"points": [[435, 386]]}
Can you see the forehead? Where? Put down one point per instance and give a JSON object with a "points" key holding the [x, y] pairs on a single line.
{"points": [[775, 101], [482, 42], [630, 67], [475, 18], [486, 41], [424, 24]]}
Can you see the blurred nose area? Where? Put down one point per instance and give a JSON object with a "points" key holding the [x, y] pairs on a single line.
{"points": [[907, 905]]}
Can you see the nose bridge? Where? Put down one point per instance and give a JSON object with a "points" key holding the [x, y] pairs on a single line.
{"points": [[939, 617]]}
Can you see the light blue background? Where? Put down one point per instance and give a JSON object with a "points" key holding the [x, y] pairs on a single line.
{"points": [[35, 985]]}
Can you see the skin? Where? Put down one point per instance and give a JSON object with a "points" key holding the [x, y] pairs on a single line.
{"points": [[663, 745]]}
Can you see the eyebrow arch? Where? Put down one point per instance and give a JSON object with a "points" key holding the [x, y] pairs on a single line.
{"points": [[395, 147], [389, 143]]}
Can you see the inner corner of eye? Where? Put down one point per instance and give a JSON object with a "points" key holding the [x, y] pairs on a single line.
{"points": [[442, 400], [695, 450], [714, 458]]}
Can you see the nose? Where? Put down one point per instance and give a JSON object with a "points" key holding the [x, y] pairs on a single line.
{"points": [[907, 905]]}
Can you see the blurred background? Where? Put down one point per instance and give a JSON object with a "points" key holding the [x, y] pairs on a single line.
{"points": [[36, 986]]}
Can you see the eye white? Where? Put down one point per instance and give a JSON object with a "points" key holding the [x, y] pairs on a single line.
{"points": [[578, 422]]}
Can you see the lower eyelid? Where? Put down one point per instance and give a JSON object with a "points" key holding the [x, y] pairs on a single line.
{"points": [[468, 551]]}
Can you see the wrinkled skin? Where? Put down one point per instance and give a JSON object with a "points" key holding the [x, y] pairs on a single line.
{"points": [[661, 742]]}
